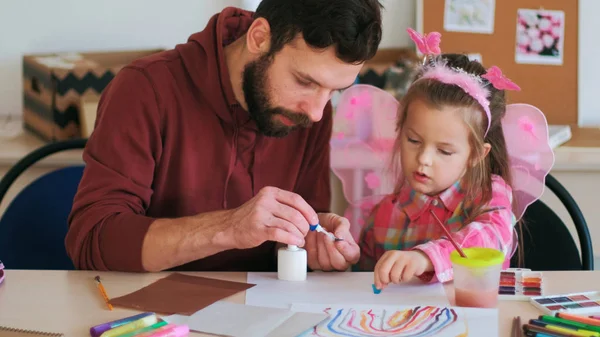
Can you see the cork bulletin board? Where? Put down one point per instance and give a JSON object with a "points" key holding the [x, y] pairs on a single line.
{"points": [[550, 87]]}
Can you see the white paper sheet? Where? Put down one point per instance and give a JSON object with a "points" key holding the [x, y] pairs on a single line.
{"points": [[339, 288], [366, 321], [238, 320]]}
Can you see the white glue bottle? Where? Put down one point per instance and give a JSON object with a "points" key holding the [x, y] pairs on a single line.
{"points": [[291, 263]]}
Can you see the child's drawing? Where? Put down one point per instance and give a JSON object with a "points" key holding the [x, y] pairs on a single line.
{"points": [[421, 321]]}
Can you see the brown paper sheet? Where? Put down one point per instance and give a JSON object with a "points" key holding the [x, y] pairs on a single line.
{"points": [[180, 294]]}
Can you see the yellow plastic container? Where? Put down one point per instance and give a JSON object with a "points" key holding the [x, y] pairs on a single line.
{"points": [[477, 277]]}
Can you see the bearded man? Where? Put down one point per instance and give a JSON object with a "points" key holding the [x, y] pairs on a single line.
{"points": [[208, 156]]}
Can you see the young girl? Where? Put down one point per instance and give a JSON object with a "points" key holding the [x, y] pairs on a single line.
{"points": [[452, 166]]}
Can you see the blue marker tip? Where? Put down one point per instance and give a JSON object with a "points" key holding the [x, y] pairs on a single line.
{"points": [[375, 290], [313, 227]]}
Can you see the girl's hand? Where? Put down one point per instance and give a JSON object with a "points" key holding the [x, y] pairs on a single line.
{"points": [[397, 266]]}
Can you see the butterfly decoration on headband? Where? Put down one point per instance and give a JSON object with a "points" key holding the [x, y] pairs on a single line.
{"points": [[428, 44], [498, 80], [365, 132]]}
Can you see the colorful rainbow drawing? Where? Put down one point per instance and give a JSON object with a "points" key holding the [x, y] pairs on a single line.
{"points": [[420, 321]]}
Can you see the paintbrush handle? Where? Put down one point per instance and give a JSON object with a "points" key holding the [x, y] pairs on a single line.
{"points": [[439, 222]]}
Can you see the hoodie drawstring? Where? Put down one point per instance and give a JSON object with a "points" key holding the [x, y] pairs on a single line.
{"points": [[254, 172], [231, 166]]}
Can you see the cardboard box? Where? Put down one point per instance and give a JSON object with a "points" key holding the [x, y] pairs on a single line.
{"points": [[57, 86]]}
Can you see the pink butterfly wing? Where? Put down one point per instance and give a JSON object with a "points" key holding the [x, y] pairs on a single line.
{"points": [[360, 159], [509, 85], [498, 80], [418, 40], [433, 40], [530, 154]]}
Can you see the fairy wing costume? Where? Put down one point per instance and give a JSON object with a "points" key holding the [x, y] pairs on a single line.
{"points": [[365, 132]]}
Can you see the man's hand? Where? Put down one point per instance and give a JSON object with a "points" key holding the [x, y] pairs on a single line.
{"points": [[325, 254], [271, 215], [397, 266]]}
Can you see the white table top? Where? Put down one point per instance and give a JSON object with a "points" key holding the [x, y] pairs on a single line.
{"points": [[69, 302]]}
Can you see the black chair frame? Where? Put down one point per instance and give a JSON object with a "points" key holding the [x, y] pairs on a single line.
{"points": [[35, 156]]}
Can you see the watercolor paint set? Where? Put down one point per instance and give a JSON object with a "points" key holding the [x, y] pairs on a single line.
{"points": [[576, 303], [520, 284]]}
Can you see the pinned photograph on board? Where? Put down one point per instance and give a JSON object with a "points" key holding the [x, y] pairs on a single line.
{"points": [[540, 36], [470, 16]]}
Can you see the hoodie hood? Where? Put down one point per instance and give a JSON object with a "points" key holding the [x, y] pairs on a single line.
{"points": [[222, 29], [204, 59]]}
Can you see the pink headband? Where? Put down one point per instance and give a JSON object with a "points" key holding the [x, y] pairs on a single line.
{"points": [[471, 84]]}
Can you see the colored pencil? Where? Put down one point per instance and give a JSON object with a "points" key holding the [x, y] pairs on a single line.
{"points": [[577, 318], [103, 293], [564, 328], [573, 324], [535, 329]]}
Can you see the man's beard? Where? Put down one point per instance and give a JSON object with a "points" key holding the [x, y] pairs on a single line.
{"points": [[254, 84]]}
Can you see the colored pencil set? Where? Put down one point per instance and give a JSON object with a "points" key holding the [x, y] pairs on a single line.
{"points": [[142, 325], [561, 324]]}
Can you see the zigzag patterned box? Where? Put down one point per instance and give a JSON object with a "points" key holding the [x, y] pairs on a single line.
{"points": [[55, 87]]}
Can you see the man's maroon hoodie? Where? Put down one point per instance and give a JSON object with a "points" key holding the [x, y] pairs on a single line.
{"points": [[171, 140]]}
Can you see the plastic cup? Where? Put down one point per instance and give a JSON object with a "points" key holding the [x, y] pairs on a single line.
{"points": [[477, 277]]}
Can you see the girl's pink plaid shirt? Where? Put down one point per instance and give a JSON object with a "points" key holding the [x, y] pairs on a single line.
{"points": [[404, 222]]}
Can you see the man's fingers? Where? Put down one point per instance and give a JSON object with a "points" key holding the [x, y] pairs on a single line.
{"points": [[349, 250], [297, 202], [337, 260], [338, 225], [292, 216], [279, 235], [323, 256], [341, 229], [312, 251], [341, 226], [286, 226]]}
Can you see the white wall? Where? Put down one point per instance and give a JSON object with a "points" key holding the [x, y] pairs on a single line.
{"points": [[589, 67], [40, 26], [35, 26], [397, 16]]}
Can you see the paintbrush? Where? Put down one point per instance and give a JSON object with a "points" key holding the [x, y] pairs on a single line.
{"points": [[517, 329], [462, 254], [514, 328]]}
